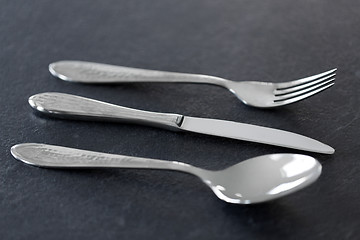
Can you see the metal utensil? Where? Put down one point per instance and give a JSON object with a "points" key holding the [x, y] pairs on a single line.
{"points": [[71, 106], [255, 180], [256, 94]]}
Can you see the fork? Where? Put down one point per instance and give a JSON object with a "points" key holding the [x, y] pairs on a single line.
{"points": [[252, 93]]}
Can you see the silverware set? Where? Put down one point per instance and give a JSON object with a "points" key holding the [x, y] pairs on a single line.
{"points": [[255, 180]]}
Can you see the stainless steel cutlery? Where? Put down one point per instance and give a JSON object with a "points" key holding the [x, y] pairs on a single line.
{"points": [[255, 180], [76, 107], [252, 93]]}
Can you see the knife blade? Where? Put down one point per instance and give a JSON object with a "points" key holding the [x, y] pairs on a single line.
{"points": [[76, 107]]}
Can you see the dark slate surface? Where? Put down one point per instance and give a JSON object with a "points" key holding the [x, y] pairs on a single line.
{"points": [[241, 40]]}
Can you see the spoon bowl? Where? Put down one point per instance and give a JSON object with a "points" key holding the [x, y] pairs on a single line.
{"points": [[263, 178], [255, 180]]}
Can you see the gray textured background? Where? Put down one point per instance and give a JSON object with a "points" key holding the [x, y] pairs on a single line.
{"points": [[240, 40]]}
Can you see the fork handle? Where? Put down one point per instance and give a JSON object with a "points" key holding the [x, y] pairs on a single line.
{"points": [[97, 73], [71, 106]]}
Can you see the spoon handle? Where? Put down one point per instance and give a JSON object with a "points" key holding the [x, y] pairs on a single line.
{"points": [[71, 106], [51, 156], [90, 72]]}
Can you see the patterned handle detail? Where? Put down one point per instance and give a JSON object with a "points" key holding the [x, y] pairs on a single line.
{"points": [[71, 106], [89, 72]]}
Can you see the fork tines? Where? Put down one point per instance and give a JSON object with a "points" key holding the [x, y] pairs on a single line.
{"points": [[297, 90]]}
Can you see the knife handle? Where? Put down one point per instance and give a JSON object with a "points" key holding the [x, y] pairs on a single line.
{"points": [[76, 107], [90, 72]]}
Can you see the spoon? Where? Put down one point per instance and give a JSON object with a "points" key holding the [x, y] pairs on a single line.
{"points": [[255, 180]]}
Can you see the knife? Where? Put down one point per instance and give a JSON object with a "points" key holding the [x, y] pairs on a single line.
{"points": [[76, 107]]}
